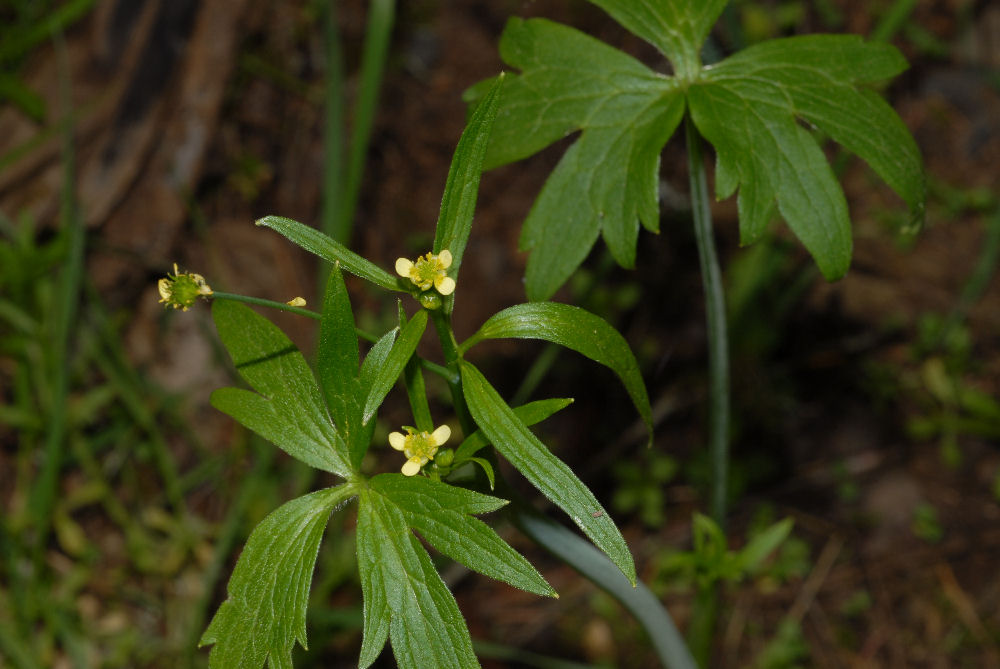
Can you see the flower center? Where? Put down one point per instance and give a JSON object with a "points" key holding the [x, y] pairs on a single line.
{"points": [[421, 445], [425, 270]]}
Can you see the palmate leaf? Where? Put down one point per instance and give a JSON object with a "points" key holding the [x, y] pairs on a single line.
{"points": [[751, 107], [265, 612], [405, 599], [441, 514], [606, 182]]}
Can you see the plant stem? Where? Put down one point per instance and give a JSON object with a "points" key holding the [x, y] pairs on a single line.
{"points": [[261, 302], [453, 359], [706, 602], [599, 570], [715, 316]]}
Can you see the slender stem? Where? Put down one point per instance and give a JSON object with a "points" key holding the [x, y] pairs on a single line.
{"points": [[416, 391], [453, 359], [599, 570], [261, 302], [706, 602], [715, 316]]}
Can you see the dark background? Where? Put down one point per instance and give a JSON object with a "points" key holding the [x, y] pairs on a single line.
{"points": [[865, 409]]}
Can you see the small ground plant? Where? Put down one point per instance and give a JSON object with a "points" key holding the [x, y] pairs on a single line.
{"points": [[764, 110]]}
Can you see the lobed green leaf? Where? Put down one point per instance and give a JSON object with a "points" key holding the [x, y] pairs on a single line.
{"points": [[819, 77], [606, 183], [440, 512], [577, 329], [268, 593], [749, 107], [546, 472], [289, 411], [404, 597]]}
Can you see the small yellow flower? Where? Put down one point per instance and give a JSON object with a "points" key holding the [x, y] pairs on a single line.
{"points": [[418, 447], [429, 270], [296, 302], [182, 289]]}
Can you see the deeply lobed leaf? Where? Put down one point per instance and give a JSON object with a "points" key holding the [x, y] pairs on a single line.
{"points": [[750, 107], [265, 612], [440, 512], [404, 597], [570, 82]]}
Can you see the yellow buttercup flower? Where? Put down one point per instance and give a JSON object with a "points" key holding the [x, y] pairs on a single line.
{"points": [[182, 289], [418, 447], [428, 270]]}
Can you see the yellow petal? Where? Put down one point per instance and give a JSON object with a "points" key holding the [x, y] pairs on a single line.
{"points": [[403, 267], [296, 302], [397, 440], [441, 434], [411, 467], [444, 258], [164, 286], [445, 285]]}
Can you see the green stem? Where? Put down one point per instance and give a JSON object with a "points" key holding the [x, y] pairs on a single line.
{"points": [[261, 302], [715, 316], [453, 360], [706, 603], [595, 566]]}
